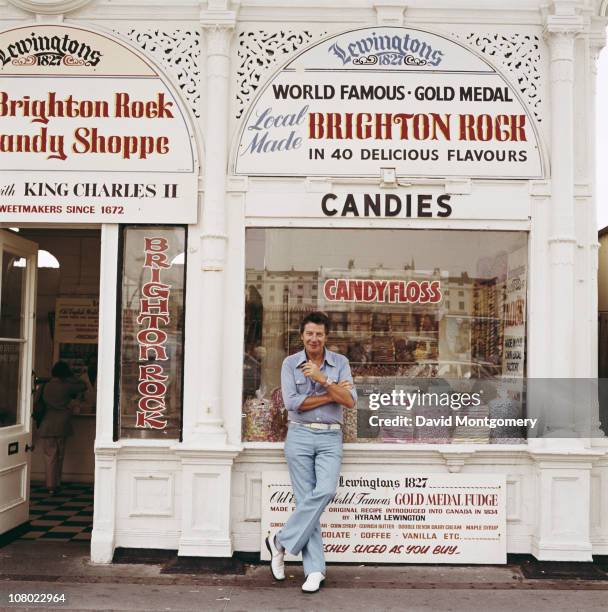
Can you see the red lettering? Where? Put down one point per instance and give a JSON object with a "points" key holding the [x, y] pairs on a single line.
{"points": [[152, 388], [151, 420], [342, 290], [315, 125], [413, 291], [153, 352], [156, 290], [152, 336], [159, 306], [151, 403], [156, 244], [329, 287], [156, 260], [393, 291], [152, 371], [153, 319]]}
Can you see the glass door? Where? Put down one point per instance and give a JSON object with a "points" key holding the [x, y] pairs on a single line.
{"points": [[18, 259]]}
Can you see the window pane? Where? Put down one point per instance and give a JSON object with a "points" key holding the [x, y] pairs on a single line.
{"points": [[10, 357], [385, 292], [151, 328], [13, 286]]}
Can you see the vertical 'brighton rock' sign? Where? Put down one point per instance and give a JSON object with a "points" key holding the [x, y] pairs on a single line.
{"points": [[389, 97], [153, 316]]}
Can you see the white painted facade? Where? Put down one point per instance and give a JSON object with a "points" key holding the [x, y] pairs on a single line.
{"points": [[202, 496]]}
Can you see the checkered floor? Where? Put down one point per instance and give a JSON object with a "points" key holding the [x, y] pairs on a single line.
{"points": [[63, 517]]}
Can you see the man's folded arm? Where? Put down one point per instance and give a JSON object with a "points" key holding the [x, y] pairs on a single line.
{"points": [[298, 402], [341, 395]]}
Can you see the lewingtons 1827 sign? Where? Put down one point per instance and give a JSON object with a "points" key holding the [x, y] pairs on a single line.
{"points": [[401, 518], [90, 131], [389, 97]]}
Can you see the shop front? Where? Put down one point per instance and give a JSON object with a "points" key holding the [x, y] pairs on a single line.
{"points": [[422, 175]]}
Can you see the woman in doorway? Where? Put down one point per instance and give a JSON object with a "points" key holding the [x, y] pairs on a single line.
{"points": [[56, 425]]}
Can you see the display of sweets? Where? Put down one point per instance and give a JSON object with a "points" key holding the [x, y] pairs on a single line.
{"points": [[383, 350], [265, 420], [400, 320], [359, 317], [339, 321], [338, 345], [349, 427], [380, 322], [258, 421]]}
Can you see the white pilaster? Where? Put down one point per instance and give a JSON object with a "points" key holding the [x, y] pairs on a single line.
{"points": [[104, 516], [561, 29], [206, 428], [206, 484], [596, 42], [206, 456], [563, 510]]}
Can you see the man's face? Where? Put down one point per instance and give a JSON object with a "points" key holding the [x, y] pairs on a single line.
{"points": [[314, 337]]}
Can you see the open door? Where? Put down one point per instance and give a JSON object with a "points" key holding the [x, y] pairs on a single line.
{"points": [[18, 263]]}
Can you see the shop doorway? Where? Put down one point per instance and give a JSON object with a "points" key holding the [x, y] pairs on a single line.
{"points": [[49, 313]]}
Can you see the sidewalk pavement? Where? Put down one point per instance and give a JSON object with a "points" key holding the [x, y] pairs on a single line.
{"points": [[64, 568]]}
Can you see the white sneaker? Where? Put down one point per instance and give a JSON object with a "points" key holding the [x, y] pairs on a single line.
{"points": [[313, 582], [277, 563]]}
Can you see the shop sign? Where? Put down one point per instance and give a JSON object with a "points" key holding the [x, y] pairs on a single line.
{"points": [[345, 286], [389, 97], [333, 202], [378, 291], [90, 132], [153, 316], [76, 320], [402, 518]]}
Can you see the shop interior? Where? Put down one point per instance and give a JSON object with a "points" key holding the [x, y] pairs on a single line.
{"points": [[67, 320]]}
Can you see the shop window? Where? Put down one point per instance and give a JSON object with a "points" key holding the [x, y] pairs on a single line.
{"points": [[389, 316], [150, 338]]}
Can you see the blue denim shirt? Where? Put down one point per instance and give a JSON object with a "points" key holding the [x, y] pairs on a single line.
{"points": [[296, 387]]}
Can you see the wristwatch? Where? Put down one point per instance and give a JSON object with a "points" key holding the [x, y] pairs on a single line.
{"points": [[328, 382]]}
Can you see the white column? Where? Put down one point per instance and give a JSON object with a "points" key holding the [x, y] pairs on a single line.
{"points": [[561, 30], [104, 514], [563, 467], [206, 428], [206, 457]]}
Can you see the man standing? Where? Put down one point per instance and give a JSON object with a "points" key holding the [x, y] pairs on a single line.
{"points": [[316, 383]]}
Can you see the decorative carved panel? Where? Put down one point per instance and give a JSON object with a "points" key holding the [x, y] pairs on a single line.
{"points": [[176, 51], [259, 52], [519, 53]]}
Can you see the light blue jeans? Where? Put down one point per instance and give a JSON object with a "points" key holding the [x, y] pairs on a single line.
{"points": [[314, 458]]}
